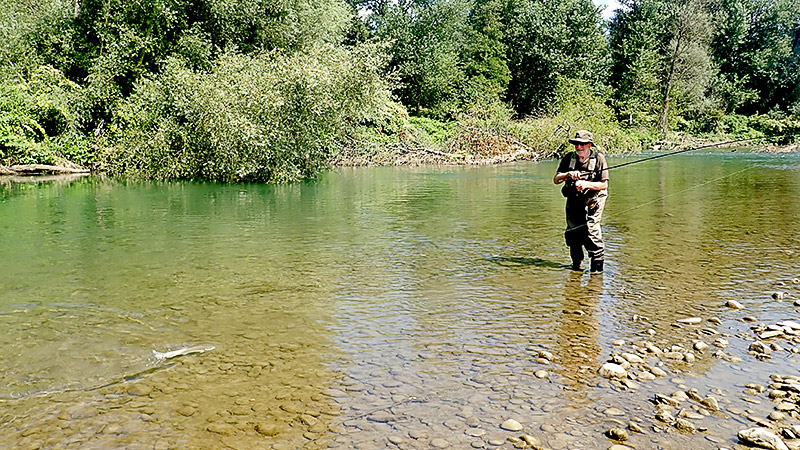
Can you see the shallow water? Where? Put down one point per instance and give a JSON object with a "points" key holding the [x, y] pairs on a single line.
{"points": [[383, 307]]}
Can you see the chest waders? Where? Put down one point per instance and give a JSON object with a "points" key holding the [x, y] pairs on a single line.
{"points": [[584, 211]]}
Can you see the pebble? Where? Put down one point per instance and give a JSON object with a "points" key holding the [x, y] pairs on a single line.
{"points": [[700, 346], [541, 374], [611, 370], [776, 415], [635, 428], [614, 412], [646, 376], [684, 425], [633, 359], [779, 295], [532, 441], [439, 443], [658, 372], [511, 425], [733, 304], [221, 428], [475, 432], [617, 434], [396, 440], [691, 320], [710, 403], [496, 441], [619, 447], [761, 437]]}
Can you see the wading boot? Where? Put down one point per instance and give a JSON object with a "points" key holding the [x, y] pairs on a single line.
{"points": [[576, 253], [596, 266]]}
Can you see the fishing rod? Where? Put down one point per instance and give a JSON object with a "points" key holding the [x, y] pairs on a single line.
{"points": [[691, 149]]}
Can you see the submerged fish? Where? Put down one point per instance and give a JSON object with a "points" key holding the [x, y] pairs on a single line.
{"points": [[182, 351]]}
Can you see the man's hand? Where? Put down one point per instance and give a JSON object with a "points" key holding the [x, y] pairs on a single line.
{"points": [[574, 175]]}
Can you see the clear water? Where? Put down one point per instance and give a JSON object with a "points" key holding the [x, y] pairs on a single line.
{"points": [[381, 307]]}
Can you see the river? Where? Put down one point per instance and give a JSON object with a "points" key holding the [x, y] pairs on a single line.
{"points": [[389, 307]]}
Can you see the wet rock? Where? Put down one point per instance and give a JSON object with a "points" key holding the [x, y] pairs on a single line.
{"points": [[710, 403], [511, 425], [762, 438], [267, 429], [611, 370], [477, 444], [720, 342], [770, 334], [780, 295], [475, 432], [679, 396], [617, 342], [689, 357], [617, 434], [685, 426], [673, 355], [645, 376], [614, 412], [619, 360], [532, 441], [690, 320], [439, 443], [694, 394], [396, 440], [633, 359], [222, 428], [733, 304], [657, 371], [665, 416], [546, 355], [760, 349], [635, 428], [669, 401], [700, 346], [619, 447], [541, 374], [776, 415]]}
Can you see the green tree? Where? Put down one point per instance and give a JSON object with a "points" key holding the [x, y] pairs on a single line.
{"points": [[548, 39], [756, 45], [661, 59]]}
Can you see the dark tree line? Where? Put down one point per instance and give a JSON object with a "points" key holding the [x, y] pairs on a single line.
{"points": [[265, 89]]}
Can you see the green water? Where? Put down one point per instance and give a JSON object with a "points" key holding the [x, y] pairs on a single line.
{"points": [[376, 303]]}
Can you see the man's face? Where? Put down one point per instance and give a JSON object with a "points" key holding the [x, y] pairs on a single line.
{"points": [[581, 147]]}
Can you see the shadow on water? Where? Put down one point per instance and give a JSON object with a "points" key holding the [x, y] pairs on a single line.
{"points": [[511, 261]]}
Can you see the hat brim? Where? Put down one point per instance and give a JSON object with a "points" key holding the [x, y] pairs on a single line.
{"points": [[580, 141]]}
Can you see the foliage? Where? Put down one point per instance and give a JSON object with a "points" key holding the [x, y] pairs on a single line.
{"points": [[757, 50], [37, 121], [551, 39], [271, 117]]}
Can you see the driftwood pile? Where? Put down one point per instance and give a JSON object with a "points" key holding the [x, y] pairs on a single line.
{"points": [[41, 169]]}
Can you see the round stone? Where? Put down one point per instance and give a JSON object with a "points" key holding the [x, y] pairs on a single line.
{"points": [[511, 425], [439, 443]]}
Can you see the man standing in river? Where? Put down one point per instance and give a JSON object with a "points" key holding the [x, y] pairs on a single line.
{"points": [[585, 174]]}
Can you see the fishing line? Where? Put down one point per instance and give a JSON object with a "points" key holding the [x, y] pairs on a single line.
{"points": [[683, 190]]}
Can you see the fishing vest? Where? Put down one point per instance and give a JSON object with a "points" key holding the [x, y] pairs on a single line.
{"points": [[573, 161], [569, 187]]}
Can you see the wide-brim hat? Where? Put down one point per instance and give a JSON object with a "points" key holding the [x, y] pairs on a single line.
{"points": [[583, 137]]}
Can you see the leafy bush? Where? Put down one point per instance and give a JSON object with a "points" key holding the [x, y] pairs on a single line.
{"points": [[273, 117], [37, 121]]}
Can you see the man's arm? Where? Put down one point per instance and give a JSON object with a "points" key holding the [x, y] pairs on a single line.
{"points": [[564, 176]]}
